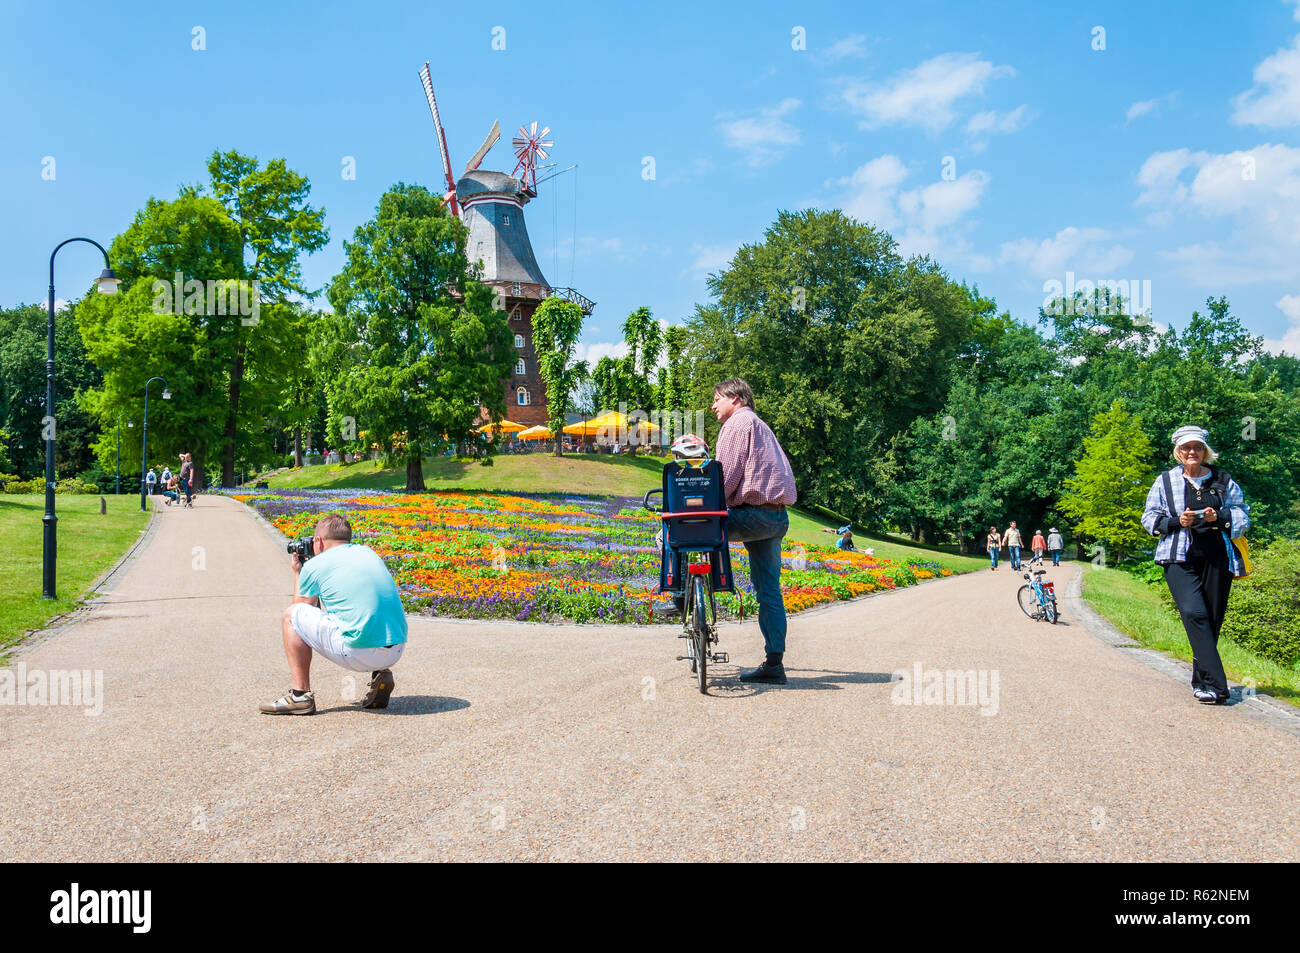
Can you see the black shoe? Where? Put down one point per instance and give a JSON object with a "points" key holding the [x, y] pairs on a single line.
{"points": [[381, 686], [669, 607], [766, 674], [1206, 696]]}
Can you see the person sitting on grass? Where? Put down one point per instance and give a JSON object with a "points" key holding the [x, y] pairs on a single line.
{"points": [[845, 534], [347, 609]]}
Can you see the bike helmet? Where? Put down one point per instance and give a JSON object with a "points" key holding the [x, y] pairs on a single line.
{"points": [[689, 447]]}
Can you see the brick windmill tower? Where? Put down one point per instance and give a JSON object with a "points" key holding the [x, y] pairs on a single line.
{"points": [[491, 204]]}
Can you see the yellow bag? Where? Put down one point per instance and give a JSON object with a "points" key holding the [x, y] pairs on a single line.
{"points": [[1243, 550]]}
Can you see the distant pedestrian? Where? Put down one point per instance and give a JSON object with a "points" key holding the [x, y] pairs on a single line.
{"points": [[171, 490], [1039, 545], [1013, 541], [993, 543], [1054, 545], [187, 474], [151, 480], [166, 476]]}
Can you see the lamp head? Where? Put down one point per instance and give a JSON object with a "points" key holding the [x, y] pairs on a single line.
{"points": [[167, 394], [107, 282]]}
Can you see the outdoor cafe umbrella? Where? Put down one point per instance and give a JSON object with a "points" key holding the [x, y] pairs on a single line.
{"points": [[535, 433], [502, 426], [611, 422]]}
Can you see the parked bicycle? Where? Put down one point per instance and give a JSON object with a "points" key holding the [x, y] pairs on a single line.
{"points": [[695, 561], [1038, 599]]}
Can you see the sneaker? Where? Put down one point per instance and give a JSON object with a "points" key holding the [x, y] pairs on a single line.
{"points": [[766, 674], [381, 686], [289, 705], [1205, 696]]}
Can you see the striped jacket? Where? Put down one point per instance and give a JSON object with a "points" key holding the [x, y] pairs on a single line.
{"points": [[1235, 517]]}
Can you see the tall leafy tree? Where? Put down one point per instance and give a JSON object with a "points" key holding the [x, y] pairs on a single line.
{"points": [[421, 347], [1108, 491], [557, 325]]}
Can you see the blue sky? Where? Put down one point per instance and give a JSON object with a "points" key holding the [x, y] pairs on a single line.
{"points": [[1170, 156]]}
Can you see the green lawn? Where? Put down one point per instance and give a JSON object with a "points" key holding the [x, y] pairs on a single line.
{"points": [[1135, 609], [88, 544], [597, 474]]}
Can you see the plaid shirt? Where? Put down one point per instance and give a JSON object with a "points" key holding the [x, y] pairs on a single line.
{"points": [[1235, 517], [755, 470]]}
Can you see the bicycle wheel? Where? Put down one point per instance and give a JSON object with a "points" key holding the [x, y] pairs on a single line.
{"points": [[1028, 601], [700, 635], [688, 627], [1050, 609]]}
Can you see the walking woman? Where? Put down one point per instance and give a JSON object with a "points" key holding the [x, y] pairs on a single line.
{"points": [[994, 544], [1196, 510]]}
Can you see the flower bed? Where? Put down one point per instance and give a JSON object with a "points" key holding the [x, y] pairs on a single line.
{"points": [[550, 557]]}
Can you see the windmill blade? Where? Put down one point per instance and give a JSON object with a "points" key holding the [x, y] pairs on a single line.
{"points": [[542, 133], [488, 143], [427, 81]]}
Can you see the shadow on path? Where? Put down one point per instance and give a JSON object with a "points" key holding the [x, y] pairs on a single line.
{"points": [[406, 705]]}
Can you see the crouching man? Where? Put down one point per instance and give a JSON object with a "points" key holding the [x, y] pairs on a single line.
{"points": [[347, 609]]}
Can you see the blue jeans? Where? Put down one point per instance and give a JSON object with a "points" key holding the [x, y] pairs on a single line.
{"points": [[993, 557], [762, 531], [1015, 556], [1056, 557]]}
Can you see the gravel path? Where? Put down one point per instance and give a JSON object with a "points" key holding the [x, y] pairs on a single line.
{"points": [[591, 743]]}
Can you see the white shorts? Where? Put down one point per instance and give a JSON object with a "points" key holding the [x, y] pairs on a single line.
{"points": [[322, 632]]}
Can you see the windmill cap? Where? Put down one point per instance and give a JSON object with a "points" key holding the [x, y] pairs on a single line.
{"points": [[1190, 434]]}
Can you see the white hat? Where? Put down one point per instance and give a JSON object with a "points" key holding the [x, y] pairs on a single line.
{"points": [[1191, 434]]}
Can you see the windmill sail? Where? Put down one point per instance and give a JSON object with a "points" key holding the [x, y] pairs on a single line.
{"points": [[427, 82], [488, 143]]}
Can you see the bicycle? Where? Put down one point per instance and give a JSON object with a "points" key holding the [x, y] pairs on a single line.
{"points": [[1038, 599], [703, 537]]}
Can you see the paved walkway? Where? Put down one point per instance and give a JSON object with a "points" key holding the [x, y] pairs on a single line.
{"points": [[592, 743]]}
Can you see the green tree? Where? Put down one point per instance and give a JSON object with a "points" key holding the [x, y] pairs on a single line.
{"points": [[421, 348], [1106, 496], [557, 325]]}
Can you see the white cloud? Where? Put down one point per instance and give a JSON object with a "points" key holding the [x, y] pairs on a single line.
{"points": [[1141, 109], [763, 137], [851, 45], [707, 259], [993, 123], [1274, 100], [1289, 305], [594, 352], [1088, 252], [924, 220], [1257, 190], [925, 95], [60, 304]]}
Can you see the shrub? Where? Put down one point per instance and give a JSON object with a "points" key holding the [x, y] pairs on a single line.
{"points": [[1264, 608], [75, 485]]}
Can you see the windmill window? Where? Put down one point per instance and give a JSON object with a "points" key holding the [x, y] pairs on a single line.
{"points": [[515, 314], [519, 340], [519, 368], [505, 218], [521, 396], [515, 289]]}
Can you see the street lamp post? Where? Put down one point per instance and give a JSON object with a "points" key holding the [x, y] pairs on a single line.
{"points": [[117, 469], [106, 284], [144, 447]]}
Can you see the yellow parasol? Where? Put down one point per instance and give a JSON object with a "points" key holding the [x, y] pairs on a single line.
{"points": [[535, 433], [502, 426]]}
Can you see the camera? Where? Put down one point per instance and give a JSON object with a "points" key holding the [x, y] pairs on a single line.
{"points": [[302, 548]]}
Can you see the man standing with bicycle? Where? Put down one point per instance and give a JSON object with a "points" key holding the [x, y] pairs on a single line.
{"points": [[759, 485]]}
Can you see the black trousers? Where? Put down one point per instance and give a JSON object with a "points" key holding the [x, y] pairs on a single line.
{"points": [[1200, 589]]}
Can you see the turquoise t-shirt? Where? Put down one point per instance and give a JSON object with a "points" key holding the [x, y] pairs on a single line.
{"points": [[355, 587]]}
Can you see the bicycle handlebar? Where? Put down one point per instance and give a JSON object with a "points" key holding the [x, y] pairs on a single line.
{"points": [[645, 500]]}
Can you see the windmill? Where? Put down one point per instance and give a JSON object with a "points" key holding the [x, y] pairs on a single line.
{"points": [[530, 145], [491, 206]]}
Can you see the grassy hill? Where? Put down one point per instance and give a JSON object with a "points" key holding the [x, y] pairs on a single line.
{"points": [[595, 474]]}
